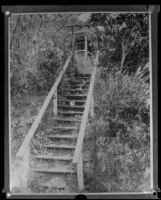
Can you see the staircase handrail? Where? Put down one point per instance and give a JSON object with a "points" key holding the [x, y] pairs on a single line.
{"points": [[81, 134], [39, 116]]}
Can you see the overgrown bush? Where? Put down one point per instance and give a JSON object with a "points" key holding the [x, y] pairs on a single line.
{"points": [[23, 113], [38, 77], [37, 49], [120, 135], [48, 68], [122, 97]]}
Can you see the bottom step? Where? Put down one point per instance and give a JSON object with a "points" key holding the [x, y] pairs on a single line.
{"points": [[54, 170], [55, 183]]}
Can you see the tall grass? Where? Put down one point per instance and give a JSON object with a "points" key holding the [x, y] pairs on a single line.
{"points": [[120, 135]]}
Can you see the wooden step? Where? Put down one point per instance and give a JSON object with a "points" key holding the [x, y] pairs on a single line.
{"points": [[73, 90], [77, 82], [80, 79], [70, 89], [74, 108], [68, 119], [63, 136], [67, 113], [67, 100], [55, 182], [75, 96], [78, 74], [82, 75], [60, 146], [65, 128], [76, 77], [76, 102], [54, 170], [74, 80], [50, 157], [77, 86], [68, 106]]}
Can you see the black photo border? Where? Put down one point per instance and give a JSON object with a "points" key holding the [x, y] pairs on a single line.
{"points": [[8, 10]]}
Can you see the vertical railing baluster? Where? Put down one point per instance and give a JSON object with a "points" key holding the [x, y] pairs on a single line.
{"points": [[80, 176]]}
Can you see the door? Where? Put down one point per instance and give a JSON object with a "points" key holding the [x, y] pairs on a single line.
{"points": [[83, 60]]}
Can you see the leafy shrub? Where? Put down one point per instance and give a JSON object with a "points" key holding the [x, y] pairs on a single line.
{"points": [[23, 113], [17, 73], [122, 96], [39, 76], [48, 67], [120, 135]]}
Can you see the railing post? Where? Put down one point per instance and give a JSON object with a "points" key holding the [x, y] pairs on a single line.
{"points": [[25, 166], [80, 176], [55, 103]]}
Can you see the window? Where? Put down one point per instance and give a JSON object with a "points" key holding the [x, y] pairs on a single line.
{"points": [[80, 46]]}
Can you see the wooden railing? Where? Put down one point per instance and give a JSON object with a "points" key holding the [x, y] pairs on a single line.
{"points": [[89, 108], [24, 152]]}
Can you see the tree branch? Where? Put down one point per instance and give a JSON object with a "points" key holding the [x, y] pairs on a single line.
{"points": [[41, 22], [14, 31]]}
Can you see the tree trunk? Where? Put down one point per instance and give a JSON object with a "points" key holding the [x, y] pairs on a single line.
{"points": [[125, 51], [123, 54], [98, 44], [122, 60], [18, 34]]}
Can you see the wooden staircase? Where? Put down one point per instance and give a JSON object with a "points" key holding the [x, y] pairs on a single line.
{"points": [[59, 152], [60, 161]]}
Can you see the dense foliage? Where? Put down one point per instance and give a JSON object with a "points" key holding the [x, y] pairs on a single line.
{"points": [[37, 50], [120, 134], [123, 39]]}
